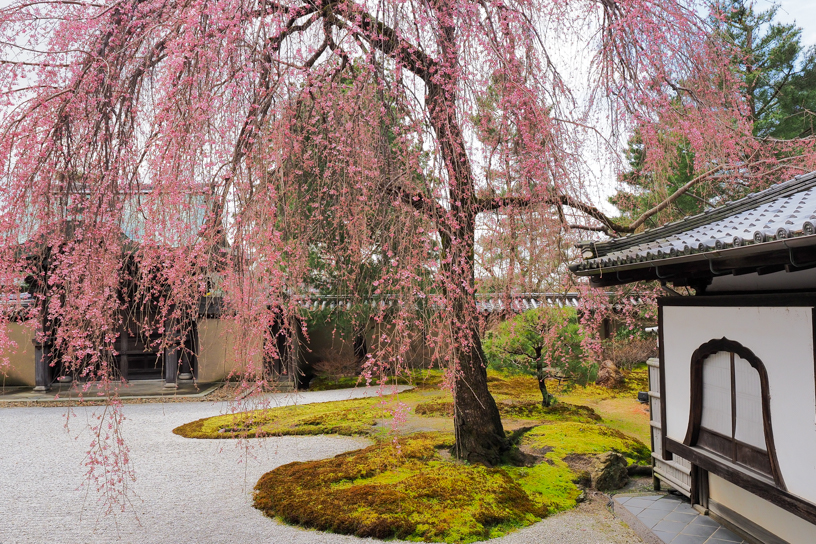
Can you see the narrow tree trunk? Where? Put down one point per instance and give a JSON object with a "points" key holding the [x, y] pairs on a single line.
{"points": [[546, 398]]}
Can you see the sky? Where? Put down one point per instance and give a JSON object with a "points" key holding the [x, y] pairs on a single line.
{"points": [[801, 12]]}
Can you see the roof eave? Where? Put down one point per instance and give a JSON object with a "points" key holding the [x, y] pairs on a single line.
{"points": [[713, 257]]}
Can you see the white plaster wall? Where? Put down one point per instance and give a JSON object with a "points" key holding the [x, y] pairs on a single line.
{"points": [[778, 521], [778, 281], [782, 338]]}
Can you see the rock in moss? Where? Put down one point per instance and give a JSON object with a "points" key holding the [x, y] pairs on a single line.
{"points": [[609, 375], [610, 471]]}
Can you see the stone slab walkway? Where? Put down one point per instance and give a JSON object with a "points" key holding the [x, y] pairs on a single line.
{"points": [[671, 520], [133, 389]]}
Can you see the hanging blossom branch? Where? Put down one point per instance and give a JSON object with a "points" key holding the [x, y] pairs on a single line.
{"points": [[256, 152]]}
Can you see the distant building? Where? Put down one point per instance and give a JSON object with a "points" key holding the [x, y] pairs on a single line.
{"points": [[208, 352]]}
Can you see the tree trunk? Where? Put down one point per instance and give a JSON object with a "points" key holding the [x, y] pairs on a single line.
{"points": [[479, 432], [480, 436], [546, 398]]}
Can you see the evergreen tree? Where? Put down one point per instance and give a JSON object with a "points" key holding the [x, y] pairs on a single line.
{"points": [[779, 76]]}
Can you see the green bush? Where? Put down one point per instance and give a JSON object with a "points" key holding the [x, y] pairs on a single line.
{"points": [[550, 337]]}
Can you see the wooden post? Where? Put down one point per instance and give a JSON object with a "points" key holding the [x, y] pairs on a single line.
{"points": [[170, 367], [186, 371], [123, 356], [41, 361]]}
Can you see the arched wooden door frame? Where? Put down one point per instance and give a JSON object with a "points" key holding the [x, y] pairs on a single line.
{"points": [[696, 409]]}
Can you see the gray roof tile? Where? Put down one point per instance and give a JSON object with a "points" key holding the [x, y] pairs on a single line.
{"points": [[782, 211]]}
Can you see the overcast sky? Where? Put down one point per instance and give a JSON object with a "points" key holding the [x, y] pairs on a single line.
{"points": [[801, 12]]}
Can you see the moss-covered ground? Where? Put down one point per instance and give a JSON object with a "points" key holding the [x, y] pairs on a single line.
{"points": [[410, 487]]}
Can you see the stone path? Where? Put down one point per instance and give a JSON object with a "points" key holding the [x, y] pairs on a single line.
{"points": [[131, 390], [188, 491], [674, 521]]}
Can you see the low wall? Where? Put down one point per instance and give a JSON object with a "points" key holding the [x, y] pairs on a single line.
{"points": [[21, 361], [326, 344], [223, 350]]}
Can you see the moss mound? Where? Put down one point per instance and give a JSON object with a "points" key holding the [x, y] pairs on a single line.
{"points": [[409, 491], [516, 409], [571, 438], [435, 408], [634, 380], [412, 491], [360, 417], [529, 409], [348, 418]]}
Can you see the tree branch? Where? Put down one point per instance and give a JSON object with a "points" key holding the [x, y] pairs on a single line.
{"points": [[497, 203], [383, 38]]}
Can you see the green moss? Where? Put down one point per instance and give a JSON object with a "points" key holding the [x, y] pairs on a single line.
{"points": [[350, 417], [410, 490], [549, 484], [326, 383], [516, 409], [569, 437], [517, 398], [635, 380], [532, 410], [618, 407], [512, 386], [410, 493], [419, 378], [435, 408]]}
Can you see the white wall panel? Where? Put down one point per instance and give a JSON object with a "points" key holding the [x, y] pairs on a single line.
{"points": [[717, 393], [749, 404], [778, 521], [782, 339]]}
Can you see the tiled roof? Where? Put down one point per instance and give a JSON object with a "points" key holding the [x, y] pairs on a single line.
{"points": [[485, 302], [782, 212]]}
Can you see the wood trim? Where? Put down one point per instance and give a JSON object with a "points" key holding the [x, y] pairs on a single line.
{"points": [[733, 408], [696, 411], [694, 488], [702, 483], [813, 341], [763, 489], [667, 456], [716, 442], [800, 299], [739, 452]]}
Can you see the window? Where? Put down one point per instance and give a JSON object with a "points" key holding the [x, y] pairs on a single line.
{"points": [[730, 407]]}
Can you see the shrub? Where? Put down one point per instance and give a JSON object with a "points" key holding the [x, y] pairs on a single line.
{"points": [[626, 352], [543, 341]]}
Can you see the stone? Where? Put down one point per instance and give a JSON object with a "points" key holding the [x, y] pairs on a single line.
{"points": [[582, 496], [610, 471], [583, 479], [609, 375]]}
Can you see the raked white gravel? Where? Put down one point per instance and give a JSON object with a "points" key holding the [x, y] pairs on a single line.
{"points": [[186, 491]]}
